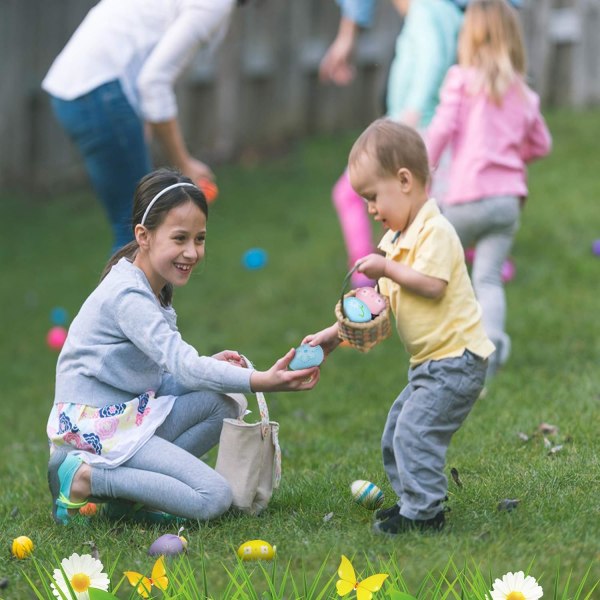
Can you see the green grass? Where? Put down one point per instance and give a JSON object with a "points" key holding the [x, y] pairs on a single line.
{"points": [[53, 249]]}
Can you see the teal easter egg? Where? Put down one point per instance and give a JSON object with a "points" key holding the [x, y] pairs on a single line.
{"points": [[366, 494], [356, 310], [375, 302], [307, 356]]}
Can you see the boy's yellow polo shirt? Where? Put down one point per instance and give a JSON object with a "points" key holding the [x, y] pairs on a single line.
{"points": [[447, 326]]}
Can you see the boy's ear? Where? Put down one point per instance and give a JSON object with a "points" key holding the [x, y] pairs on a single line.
{"points": [[406, 179], [141, 236]]}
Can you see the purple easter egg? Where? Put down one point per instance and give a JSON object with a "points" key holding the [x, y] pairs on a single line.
{"points": [[168, 544], [596, 247]]}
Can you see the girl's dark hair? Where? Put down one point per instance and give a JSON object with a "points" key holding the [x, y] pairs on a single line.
{"points": [[149, 186]]}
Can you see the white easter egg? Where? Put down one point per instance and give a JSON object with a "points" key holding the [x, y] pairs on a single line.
{"points": [[366, 494]]}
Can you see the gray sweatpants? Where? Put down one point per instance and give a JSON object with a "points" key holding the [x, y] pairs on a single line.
{"points": [[490, 225], [166, 472], [437, 399]]}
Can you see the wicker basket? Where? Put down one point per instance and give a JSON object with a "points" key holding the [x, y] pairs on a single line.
{"points": [[362, 336]]}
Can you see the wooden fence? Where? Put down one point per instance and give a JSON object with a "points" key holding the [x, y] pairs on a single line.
{"points": [[261, 87]]}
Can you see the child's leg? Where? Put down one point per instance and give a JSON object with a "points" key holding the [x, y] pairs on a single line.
{"points": [[492, 223], [168, 478], [354, 221], [196, 420], [387, 442], [443, 393], [491, 251]]}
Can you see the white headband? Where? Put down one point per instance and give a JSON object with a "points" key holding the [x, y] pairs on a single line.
{"points": [[159, 195]]}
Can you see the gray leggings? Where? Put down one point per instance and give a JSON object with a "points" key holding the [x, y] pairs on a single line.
{"points": [[166, 473], [490, 226]]}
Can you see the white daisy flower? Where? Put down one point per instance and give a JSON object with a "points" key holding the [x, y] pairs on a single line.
{"points": [[515, 586], [83, 572]]}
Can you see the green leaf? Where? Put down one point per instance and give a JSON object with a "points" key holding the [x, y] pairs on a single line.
{"points": [[96, 594]]}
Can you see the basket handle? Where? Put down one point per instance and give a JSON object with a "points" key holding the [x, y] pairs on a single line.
{"points": [[262, 405], [344, 287]]}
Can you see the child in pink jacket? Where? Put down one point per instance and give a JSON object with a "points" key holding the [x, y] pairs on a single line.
{"points": [[491, 119]]}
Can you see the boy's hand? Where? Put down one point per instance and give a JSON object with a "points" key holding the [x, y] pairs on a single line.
{"points": [[372, 265], [326, 338]]}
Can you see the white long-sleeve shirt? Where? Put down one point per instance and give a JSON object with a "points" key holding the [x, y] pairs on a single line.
{"points": [[145, 44]]}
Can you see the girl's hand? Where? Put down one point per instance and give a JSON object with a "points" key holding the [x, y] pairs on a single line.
{"points": [[327, 338], [231, 356], [279, 379], [372, 265]]}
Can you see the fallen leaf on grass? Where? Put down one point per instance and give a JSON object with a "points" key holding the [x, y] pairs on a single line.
{"points": [[555, 449], [455, 477], [327, 517], [547, 429]]}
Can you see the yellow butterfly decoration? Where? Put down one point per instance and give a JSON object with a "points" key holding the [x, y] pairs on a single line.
{"points": [[157, 579], [347, 581]]}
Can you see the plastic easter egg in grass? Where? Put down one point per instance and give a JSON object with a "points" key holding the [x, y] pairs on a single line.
{"points": [[366, 494], [89, 510], [254, 259], [508, 270], [375, 302], [596, 247], [58, 316], [209, 189], [256, 550], [56, 337], [22, 547], [169, 544], [356, 310]]}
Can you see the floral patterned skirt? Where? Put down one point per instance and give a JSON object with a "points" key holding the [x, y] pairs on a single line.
{"points": [[110, 435]]}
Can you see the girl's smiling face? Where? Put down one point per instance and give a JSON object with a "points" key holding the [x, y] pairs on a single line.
{"points": [[169, 253]]}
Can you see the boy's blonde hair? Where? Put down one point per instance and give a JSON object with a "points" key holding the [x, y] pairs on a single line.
{"points": [[394, 146], [491, 40]]}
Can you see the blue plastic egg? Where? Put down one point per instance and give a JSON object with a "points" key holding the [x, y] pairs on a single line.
{"points": [[254, 259], [307, 356], [58, 315], [356, 310]]}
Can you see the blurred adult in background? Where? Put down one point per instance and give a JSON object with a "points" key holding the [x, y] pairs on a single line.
{"points": [[115, 76]]}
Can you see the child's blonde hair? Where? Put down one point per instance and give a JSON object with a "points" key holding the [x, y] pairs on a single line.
{"points": [[491, 40], [394, 146]]}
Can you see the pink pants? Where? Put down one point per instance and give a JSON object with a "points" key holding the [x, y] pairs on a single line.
{"points": [[355, 224]]}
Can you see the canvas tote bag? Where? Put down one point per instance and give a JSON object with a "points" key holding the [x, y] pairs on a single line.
{"points": [[249, 458]]}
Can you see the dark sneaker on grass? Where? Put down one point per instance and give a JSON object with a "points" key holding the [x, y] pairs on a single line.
{"points": [[138, 513], [400, 524], [385, 513]]}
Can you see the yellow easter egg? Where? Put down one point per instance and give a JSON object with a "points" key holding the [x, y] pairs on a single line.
{"points": [[22, 547], [256, 550]]}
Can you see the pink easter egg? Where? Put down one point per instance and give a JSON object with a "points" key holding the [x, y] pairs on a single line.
{"points": [[469, 254], [375, 302], [56, 337]]}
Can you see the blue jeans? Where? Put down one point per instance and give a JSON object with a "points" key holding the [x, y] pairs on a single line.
{"points": [[110, 137]]}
